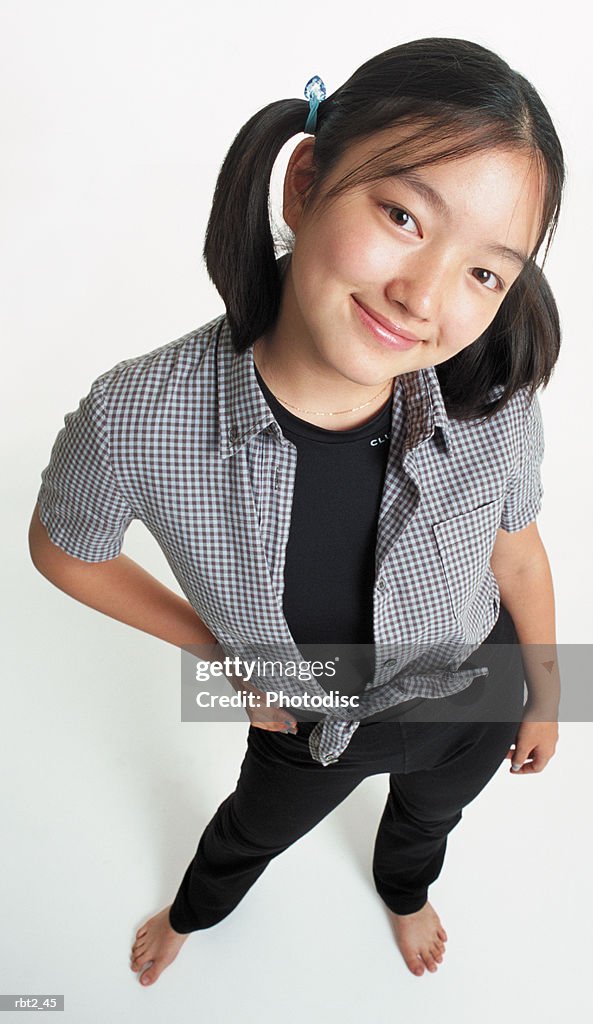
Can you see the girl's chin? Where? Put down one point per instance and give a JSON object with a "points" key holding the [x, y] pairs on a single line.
{"points": [[362, 370], [373, 366]]}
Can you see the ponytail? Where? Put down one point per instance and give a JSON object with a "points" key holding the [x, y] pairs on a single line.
{"points": [[239, 248]]}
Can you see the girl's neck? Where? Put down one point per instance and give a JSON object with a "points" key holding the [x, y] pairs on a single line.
{"points": [[310, 390]]}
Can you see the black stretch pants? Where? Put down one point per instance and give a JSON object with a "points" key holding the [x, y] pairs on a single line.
{"points": [[435, 769]]}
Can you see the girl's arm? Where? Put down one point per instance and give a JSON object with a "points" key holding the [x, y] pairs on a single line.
{"points": [[124, 590], [520, 564], [119, 588]]}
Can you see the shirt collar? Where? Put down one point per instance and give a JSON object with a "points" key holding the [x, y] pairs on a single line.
{"points": [[242, 408], [244, 412], [425, 407]]}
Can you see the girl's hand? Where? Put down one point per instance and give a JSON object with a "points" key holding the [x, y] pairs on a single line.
{"points": [[272, 719], [259, 713], [262, 716], [536, 740]]}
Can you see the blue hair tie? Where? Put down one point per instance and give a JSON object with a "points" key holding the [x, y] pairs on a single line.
{"points": [[315, 93]]}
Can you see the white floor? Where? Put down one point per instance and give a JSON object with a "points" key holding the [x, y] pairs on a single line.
{"points": [[106, 793]]}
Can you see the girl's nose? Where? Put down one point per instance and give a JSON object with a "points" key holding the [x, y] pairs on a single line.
{"points": [[414, 307], [416, 289]]}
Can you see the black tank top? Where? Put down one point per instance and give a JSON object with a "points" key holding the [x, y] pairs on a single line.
{"points": [[329, 567]]}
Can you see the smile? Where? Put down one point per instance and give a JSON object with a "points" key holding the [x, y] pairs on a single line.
{"points": [[387, 337]]}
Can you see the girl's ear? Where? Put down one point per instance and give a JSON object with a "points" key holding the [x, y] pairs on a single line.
{"points": [[298, 178]]}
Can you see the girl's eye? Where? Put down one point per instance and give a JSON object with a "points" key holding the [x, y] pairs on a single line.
{"points": [[398, 209], [498, 284]]}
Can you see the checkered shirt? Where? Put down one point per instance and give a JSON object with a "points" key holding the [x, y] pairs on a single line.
{"points": [[182, 439]]}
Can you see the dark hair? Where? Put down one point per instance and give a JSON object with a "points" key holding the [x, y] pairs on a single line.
{"points": [[451, 92]]}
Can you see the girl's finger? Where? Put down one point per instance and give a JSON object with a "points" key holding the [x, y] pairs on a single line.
{"points": [[525, 769]]}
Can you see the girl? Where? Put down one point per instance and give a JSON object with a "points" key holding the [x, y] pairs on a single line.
{"points": [[350, 454]]}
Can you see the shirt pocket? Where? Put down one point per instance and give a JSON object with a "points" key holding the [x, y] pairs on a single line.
{"points": [[465, 544]]}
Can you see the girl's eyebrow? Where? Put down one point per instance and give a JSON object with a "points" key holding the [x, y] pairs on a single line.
{"points": [[435, 199]]}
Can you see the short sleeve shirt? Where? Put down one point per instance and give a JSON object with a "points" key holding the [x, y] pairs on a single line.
{"points": [[182, 439]]}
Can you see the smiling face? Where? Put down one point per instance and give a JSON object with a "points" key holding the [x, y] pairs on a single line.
{"points": [[437, 270]]}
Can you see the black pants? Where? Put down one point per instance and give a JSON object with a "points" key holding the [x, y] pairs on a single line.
{"points": [[435, 769]]}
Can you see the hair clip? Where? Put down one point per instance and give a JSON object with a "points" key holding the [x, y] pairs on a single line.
{"points": [[314, 92]]}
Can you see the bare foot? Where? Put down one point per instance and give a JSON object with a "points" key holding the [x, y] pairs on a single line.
{"points": [[156, 943], [421, 938]]}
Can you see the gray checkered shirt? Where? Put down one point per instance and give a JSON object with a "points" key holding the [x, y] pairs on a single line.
{"points": [[182, 438]]}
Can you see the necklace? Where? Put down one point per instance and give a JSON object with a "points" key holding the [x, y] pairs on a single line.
{"points": [[338, 412]]}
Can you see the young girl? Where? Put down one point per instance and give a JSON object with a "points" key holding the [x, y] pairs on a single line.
{"points": [[350, 454]]}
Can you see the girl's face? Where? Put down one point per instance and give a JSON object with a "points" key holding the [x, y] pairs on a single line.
{"points": [[429, 268]]}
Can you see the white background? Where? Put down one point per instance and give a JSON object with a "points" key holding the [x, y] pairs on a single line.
{"points": [[115, 120]]}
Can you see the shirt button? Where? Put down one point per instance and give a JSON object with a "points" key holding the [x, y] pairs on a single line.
{"points": [[390, 663], [233, 434], [331, 760], [381, 584]]}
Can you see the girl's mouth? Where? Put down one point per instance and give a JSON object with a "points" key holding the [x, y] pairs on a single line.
{"points": [[386, 337]]}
